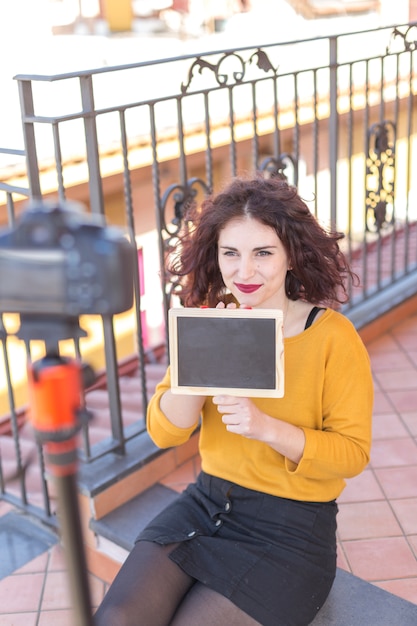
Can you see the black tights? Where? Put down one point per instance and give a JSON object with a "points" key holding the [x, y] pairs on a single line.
{"points": [[152, 590]]}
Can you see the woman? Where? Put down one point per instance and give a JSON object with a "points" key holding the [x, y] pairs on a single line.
{"points": [[253, 541]]}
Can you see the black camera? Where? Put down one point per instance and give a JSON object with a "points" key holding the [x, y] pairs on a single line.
{"points": [[59, 262]]}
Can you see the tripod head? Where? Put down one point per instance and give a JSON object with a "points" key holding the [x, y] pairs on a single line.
{"points": [[59, 262]]}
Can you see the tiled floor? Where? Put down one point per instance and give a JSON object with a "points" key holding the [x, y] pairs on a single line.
{"points": [[378, 510]]}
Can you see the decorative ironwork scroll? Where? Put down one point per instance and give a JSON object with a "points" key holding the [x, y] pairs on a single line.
{"points": [[275, 167], [380, 166], [409, 44], [237, 76], [180, 197]]}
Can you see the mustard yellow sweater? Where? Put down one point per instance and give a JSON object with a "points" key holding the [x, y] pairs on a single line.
{"points": [[328, 393]]}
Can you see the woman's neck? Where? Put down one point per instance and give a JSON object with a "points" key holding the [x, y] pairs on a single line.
{"points": [[296, 317]]}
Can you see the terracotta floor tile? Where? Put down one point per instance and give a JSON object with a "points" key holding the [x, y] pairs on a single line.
{"points": [[398, 482], [393, 453], [364, 520], [410, 420], [403, 400], [57, 593], [406, 512], [405, 588], [341, 558], [19, 619], [413, 542], [389, 361], [388, 426], [21, 593], [382, 403], [56, 618], [361, 488], [400, 378], [377, 387], [408, 340], [381, 559]]}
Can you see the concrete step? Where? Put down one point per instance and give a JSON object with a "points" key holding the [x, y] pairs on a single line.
{"points": [[353, 602], [123, 525]]}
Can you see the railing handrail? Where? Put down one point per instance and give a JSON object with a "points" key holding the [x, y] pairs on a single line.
{"points": [[194, 55]]}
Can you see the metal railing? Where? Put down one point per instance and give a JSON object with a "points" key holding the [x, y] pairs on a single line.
{"points": [[336, 116]]}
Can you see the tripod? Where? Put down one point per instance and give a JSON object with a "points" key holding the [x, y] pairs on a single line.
{"points": [[55, 265], [56, 413]]}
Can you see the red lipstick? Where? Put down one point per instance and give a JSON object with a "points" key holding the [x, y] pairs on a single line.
{"points": [[247, 288]]}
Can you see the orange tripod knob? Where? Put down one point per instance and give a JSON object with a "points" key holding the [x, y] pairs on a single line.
{"points": [[55, 390]]}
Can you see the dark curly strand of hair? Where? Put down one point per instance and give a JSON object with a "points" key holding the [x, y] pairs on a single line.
{"points": [[318, 268]]}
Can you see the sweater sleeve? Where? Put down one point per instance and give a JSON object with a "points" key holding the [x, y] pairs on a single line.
{"points": [[162, 432], [341, 447]]}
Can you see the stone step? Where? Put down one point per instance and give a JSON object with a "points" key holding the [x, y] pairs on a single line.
{"points": [[353, 602], [122, 525]]}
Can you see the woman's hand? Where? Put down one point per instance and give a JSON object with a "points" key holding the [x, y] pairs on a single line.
{"points": [[241, 416]]}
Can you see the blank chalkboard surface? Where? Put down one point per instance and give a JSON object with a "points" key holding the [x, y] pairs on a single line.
{"points": [[232, 351]]}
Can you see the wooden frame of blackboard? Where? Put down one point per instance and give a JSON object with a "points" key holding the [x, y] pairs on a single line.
{"points": [[227, 351]]}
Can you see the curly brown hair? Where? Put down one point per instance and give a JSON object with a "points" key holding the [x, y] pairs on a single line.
{"points": [[318, 267]]}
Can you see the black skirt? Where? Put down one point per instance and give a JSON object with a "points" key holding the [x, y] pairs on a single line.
{"points": [[272, 557]]}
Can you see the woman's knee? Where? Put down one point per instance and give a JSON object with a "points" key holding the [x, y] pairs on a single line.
{"points": [[109, 614], [147, 590]]}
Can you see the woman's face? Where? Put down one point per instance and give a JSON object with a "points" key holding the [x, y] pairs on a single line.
{"points": [[253, 263]]}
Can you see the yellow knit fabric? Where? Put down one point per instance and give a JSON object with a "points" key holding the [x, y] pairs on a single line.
{"points": [[328, 393]]}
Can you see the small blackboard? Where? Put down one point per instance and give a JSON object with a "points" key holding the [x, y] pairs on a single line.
{"points": [[227, 351]]}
